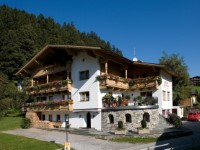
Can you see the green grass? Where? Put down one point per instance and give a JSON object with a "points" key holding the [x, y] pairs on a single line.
{"points": [[196, 88], [135, 139], [10, 123], [14, 142]]}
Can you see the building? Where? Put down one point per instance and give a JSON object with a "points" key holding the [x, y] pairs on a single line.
{"points": [[195, 80], [71, 81]]}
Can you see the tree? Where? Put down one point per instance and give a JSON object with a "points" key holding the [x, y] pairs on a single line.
{"points": [[177, 64]]}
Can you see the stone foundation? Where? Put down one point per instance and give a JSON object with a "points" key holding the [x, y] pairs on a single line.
{"points": [[37, 123], [136, 117]]}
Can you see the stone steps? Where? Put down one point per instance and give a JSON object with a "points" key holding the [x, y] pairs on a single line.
{"points": [[162, 124]]}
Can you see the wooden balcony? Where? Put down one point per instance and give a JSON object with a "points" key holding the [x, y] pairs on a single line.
{"points": [[112, 81], [143, 83], [58, 105], [51, 87]]}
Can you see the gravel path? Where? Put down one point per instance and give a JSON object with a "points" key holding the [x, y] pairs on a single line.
{"points": [[79, 142]]}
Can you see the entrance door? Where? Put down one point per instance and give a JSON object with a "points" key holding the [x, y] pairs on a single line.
{"points": [[88, 120]]}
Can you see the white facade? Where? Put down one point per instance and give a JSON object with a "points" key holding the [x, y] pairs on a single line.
{"points": [[87, 95]]}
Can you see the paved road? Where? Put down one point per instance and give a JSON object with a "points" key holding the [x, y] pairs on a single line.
{"points": [[80, 142]]}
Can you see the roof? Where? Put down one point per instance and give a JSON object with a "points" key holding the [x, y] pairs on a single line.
{"points": [[94, 51]]}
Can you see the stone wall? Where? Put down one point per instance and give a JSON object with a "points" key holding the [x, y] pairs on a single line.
{"points": [[136, 117], [33, 116]]}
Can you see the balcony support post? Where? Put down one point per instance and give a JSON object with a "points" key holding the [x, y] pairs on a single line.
{"points": [[47, 78], [106, 67], [67, 75], [126, 72], [32, 81]]}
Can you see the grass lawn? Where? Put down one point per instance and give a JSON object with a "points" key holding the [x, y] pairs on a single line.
{"points": [[196, 88], [12, 122], [14, 142]]}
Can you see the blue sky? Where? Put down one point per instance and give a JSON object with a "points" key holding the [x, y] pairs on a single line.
{"points": [[150, 26]]}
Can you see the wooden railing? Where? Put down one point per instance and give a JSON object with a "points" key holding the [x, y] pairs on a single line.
{"points": [[112, 81], [65, 105], [142, 83], [116, 82], [55, 86]]}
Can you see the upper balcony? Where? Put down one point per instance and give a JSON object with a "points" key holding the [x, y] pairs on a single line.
{"points": [[61, 105], [50, 87], [116, 82], [112, 81], [143, 83]]}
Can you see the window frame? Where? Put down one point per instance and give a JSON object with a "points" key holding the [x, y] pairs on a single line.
{"points": [[84, 96], [128, 118], [50, 117], [111, 119], [84, 75]]}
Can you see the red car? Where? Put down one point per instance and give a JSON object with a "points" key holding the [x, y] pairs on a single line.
{"points": [[193, 116]]}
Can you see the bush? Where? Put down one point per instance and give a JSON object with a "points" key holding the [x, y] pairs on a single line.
{"points": [[174, 120], [26, 123], [120, 125], [143, 123]]}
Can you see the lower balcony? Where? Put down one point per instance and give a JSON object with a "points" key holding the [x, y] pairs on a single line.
{"points": [[59, 105], [143, 83], [112, 81], [55, 86]]}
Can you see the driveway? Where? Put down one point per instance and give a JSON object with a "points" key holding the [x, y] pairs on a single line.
{"points": [[80, 142]]}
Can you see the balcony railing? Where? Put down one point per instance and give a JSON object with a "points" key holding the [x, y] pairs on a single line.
{"points": [[112, 81], [55, 86], [116, 82], [142, 83], [147, 100], [65, 105]]}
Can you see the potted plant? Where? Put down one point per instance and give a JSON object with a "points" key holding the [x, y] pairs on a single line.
{"points": [[107, 99], [125, 101], [143, 129], [120, 129], [140, 101], [119, 100]]}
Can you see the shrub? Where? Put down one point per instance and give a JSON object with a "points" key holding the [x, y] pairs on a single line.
{"points": [[143, 123], [26, 123], [120, 125], [128, 97], [174, 120]]}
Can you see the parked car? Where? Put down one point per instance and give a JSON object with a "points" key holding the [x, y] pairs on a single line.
{"points": [[193, 116]]}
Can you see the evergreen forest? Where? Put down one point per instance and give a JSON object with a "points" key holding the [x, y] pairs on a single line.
{"points": [[22, 35]]}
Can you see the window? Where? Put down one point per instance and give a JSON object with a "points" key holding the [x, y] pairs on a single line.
{"points": [[146, 117], [58, 118], [111, 118], [50, 98], [164, 97], [128, 118], [43, 117], [41, 99], [66, 96], [84, 96], [146, 94], [50, 117], [83, 75], [168, 96]]}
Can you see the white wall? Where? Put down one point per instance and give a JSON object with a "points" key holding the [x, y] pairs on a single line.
{"points": [[84, 62], [165, 86], [91, 84]]}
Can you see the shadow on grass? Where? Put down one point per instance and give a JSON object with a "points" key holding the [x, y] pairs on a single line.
{"points": [[58, 145]]}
